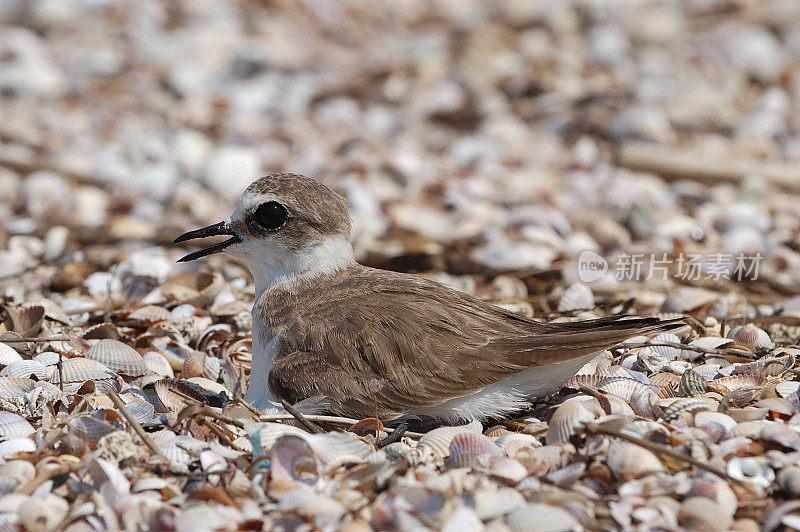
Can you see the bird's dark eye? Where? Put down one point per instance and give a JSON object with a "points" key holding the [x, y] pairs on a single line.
{"points": [[271, 215]]}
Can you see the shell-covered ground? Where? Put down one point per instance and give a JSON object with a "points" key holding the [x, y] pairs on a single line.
{"points": [[565, 159]]}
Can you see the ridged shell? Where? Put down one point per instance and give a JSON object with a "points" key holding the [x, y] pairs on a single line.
{"points": [[158, 364], [82, 369], [692, 384], [584, 379], [8, 354], [506, 469], [513, 443], [49, 358], [149, 314], [26, 369], [787, 388], [436, 443], [142, 411], [767, 366], [679, 406], [171, 447], [211, 368], [628, 460], [645, 403], [665, 379], [13, 426], [117, 357], [577, 296], [703, 418], [621, 387], [193, 365], [334, 448], [725, 385], [175, 352], [474, 444], [570, 416], [668, 352], [750, 337]]}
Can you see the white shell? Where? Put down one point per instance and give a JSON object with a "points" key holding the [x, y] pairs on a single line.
{"points": [[8, 354], [577, 296], [158, 364], [26, 369], [117, 357], [13, 426], [82, 369]]}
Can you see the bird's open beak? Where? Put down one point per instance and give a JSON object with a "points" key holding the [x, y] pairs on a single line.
{"points": [[221, 228]]}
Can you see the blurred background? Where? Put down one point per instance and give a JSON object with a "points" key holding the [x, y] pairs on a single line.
{"points": [[471, 138]]}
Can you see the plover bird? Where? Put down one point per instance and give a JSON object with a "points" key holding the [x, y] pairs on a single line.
{"points": [[370, 342]]}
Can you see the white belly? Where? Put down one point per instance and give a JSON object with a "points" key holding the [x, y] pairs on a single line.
{"points": [[505, 396]]}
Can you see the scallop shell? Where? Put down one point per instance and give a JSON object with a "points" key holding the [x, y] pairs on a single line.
{"points": [[577, 296], [158, 364], [118, 357], [49, 358], [436, 443], [211, 368], [193, 365], [645, 403], [692, 384], [13, 426], [584, 379], [26, 369], [704, 418], [701, 513], [506, 469], [142, 411], [173, 448], [750, 337], [570, 416], [665, 379], [628, 460], [16, 445], [513, 443], [621, 387], [8, 354], [82, 369], [787, 388], [473, 444], [668, 352], [678, 406], [766, 366], [149, 314], [725, 385], [264, 435]]}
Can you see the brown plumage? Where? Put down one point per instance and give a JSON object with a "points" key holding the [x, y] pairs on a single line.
{"points": [[373, 342]]}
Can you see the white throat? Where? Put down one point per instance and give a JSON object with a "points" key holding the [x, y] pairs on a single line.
{"points": [[271, 268]]}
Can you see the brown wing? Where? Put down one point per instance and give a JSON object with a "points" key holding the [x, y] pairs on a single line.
{"points": [[399, 341]]}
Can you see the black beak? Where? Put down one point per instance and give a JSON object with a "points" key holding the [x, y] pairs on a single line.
{"points": [[220, 228]]}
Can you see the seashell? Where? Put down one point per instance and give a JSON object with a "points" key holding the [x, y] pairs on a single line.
{"points": [[81, 370], [513, 443], [668, 352], [90, 429], [621, 387], [787, 388], [583, 379], [707, 371], [577, 296], [704, 418], [645, 403], [778, 405], [193, 364], [789, 480], [507, 469], [750, 337], [175, 352], [766, 366], [292, 459], [700, 513], [158, 364], [490, 504], [195, 288], [209, 387], [26, 369], [692, 384], [152, 483], [463, 519], [264, 435], [335, 448], [628, 460], [211, 368], [102, 331], [747, 414], [149, 315], [13, 426], [725, 385], [570, 416], [717, 491], [704, 342], [538, 517], [644, 428], [20, 471], [42, 514], [142, 411], [170, 446], [780, 435], [213, 337], [680, 406], [117, 357], [8, 354], [25, 321], [436, 443], [324, 510], [665, 379], [108, 479], [172, 402], [49, 358], [473, 444], [751, 469], [16, 445]]}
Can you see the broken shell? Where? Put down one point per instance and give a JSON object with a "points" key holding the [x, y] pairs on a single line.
{"points": [[117, 357], [645, 403], [751, 469], [684, 405], [666, 351], [336, 448], [725, 385]]}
